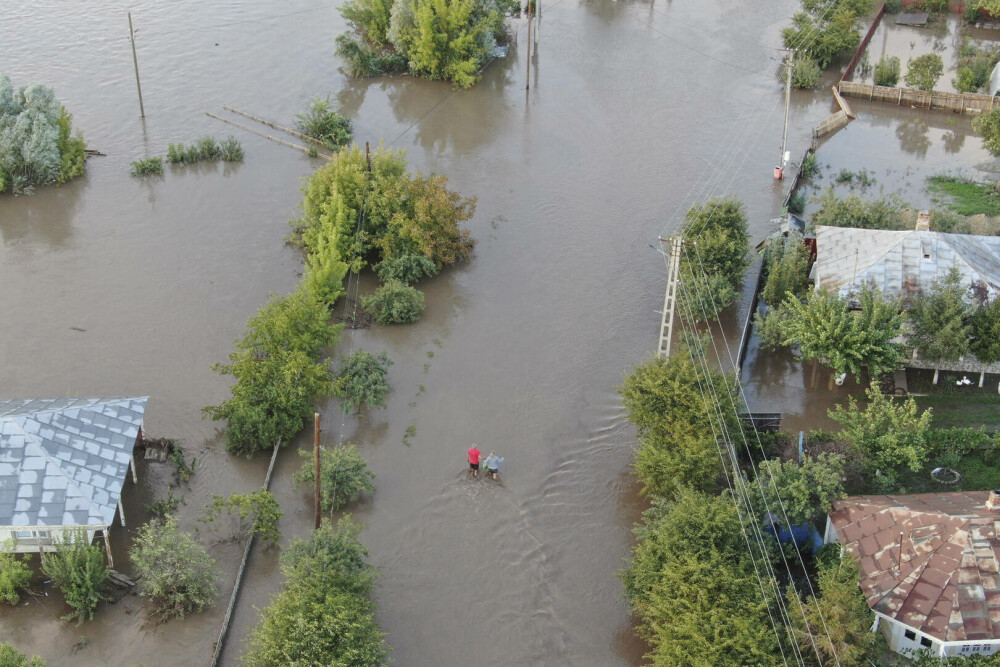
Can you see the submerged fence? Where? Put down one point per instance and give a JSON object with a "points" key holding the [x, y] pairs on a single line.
{"points": [[973, 103]]}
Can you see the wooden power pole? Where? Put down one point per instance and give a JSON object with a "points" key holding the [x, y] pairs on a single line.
{"points": [[135, 63], [316, 450], [527, 79], [789, 68]]}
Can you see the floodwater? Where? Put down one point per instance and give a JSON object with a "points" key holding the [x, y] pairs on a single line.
{"points": [[113, 286]]}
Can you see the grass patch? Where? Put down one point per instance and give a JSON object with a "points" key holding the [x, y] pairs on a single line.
{"points": [[980, 471], [965, 196], [147, 167], [953, 406]]}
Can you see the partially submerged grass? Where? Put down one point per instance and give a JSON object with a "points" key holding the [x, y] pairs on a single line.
{"points": [[147, 167], [953, 406], [965, 196]]}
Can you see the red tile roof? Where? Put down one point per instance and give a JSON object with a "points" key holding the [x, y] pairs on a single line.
{"points": [[930, 560]]}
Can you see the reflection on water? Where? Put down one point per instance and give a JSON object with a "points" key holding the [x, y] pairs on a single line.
{"points": [[913, 137], [43, 218]]}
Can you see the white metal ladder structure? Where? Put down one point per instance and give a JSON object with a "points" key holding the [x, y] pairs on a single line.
{"points": [[670, 298]]}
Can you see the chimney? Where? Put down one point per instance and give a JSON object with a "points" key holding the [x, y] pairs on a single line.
{"points": [[993, 502], [923, 221]]}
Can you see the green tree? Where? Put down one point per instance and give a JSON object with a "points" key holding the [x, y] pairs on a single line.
{"points": [[370, 18], [174, 570], [787, 268], [395, 303], [838, 622], [278, 373], [806, 74], [940, 320], [826, 31], [406, 268], [450, 40], [343, 476], [14, 577], [806, 491], [986, 332], [825, 328], [323, 615], [361, 382], [712, 269], [257, 513], [11, 657], [79, 570], [987, 126], [886, 72], [924, 71], [888, 434], [852, 211]]}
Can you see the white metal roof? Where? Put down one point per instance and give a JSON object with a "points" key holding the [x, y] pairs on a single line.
{"points": [[63, 461], [904, 263]]}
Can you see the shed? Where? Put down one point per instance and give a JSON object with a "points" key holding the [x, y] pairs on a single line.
{"points": [[63, 463]]}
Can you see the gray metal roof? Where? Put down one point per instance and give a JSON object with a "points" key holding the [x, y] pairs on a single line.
{"points": [[63, 461], [903, 263]]}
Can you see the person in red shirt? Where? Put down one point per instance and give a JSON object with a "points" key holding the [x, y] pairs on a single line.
{"points": [[474, 460]]}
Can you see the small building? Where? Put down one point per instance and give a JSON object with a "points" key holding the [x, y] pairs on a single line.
{"points": [[905, 263], [929, 567], [63, 463]]}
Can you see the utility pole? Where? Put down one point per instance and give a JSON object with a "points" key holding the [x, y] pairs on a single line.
{"points": [[538, 21], [527, 81], [316, 450], [789, 68], [135, 62], [670, 299]]}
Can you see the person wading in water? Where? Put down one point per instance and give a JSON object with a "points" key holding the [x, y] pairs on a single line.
{"points": [[473, 456]]}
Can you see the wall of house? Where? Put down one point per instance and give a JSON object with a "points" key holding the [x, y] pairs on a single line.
{"points": [[33, 541], [905, 640], [968, 649]]}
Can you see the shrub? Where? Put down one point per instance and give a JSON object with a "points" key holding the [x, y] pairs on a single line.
{"points": [[230, 150], [924, 71], [810, 165], [343, 476], [14, 576], [932, 5], [79, 570], [324, 124], [893, 6], [886, 72], [395, 303], [802, 492], [853, 211], [806, 74], [174, 570], [987, 126], [406, 268], [363, 61], [827, 30], [208, 149], [370, 18], [257, 514], [147, 167], [328, 550], [712, 270], [36, 142], [361, 382], [175, 153], [797, 202], [787, 269], [11, 657]]}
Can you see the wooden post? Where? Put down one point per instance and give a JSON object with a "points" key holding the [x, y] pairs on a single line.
{"points": [[316, 449], [121, 512], [527, 80], [135, 62], [982, 376], [131, 465], [936, 371], [107, 548]]}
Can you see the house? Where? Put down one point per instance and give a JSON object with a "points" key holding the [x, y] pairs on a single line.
{"points": [[906, 263], [929, 567], [63, 463]]}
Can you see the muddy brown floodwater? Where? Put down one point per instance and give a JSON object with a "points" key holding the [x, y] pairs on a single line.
{"points": [[112, 286]]}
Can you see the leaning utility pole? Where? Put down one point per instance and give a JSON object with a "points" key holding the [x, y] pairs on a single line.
{"points": [[135, 62], [670, 299], [789, 68], [316, 450], [527, 81]]}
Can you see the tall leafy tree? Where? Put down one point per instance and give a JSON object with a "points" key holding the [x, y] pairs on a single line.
{"points": [[941, 320], [450, 40], [712, 266], [987, 126], [924, 71], [826, 328], [11, 657], [888, 433], [787, 269], [343, 475], [805, 490], [986, 332]]}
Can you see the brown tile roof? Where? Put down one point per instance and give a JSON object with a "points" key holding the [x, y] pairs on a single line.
{"points": [[928, 560]]}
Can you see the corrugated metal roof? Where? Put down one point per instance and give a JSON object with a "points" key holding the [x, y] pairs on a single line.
{"points": [[903, 263], [63, 461], [927, 560]]}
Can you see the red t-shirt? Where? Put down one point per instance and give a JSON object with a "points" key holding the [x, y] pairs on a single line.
{"points": [[473, 455]]}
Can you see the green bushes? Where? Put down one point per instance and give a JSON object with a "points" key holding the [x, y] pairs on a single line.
{"points": [[343, 476], [14, 577], [79, 570], [147, 167], [986, 332], [361, 383], [11, 657], [987, 126], [787, 262], [324, 124], [853, 211], [806, 74], [940, 320], [826, 30], [924, 71], [712, 270], [395, 303], [174, 570], [206, 149], [256, 513], [886, 72], [37, 146], [323, 616], [406, 268], [448, 40]]}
